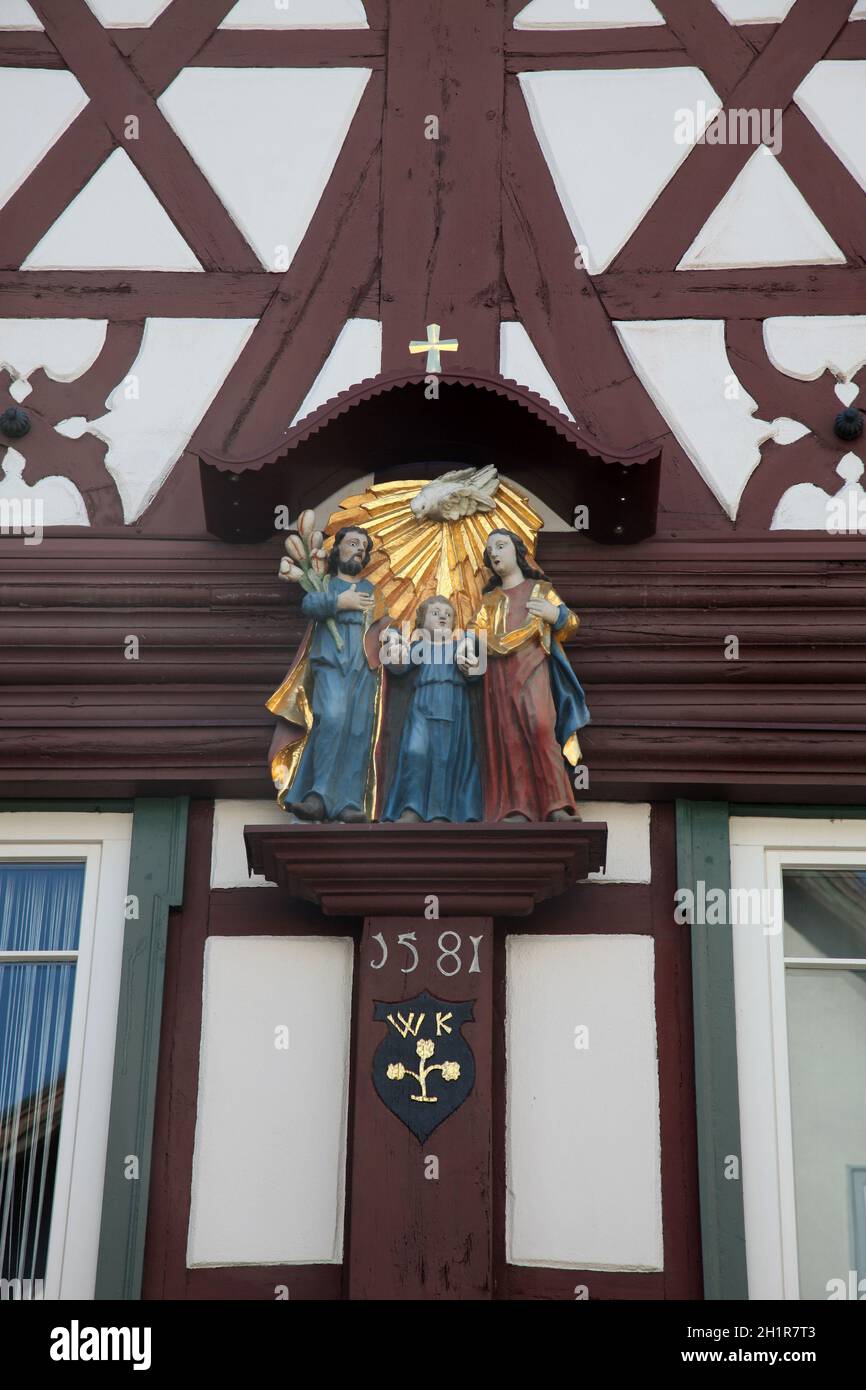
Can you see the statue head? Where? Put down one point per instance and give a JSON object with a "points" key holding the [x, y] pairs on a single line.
{"points": [[351, 550], [436, 615], [506, 554]]}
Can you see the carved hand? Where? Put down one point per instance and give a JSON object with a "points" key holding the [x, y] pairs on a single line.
{"points": [[465, 658], [353, 600], [395, 652], [543, 608]]}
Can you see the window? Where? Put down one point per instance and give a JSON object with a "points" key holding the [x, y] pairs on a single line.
{"points": [[62, 892], [40, 924], [825, 1004], [800, 988]]}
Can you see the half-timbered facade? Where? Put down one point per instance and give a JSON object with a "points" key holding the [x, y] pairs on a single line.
{"points": [[637, 229]]}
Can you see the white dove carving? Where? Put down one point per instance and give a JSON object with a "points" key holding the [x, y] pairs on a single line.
{"points": [[462, 492]]}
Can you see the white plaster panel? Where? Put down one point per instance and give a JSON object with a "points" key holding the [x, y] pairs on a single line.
{"points": [[228, 856], [628, 839], [520, 361], [806, 507], [587, 14], [582, 1138], [609, 138], [115, 223], [754, 11], [833, 96], [65, 348], [356, 355], [267, 140], [763, 219], [178, 371], [53, 501], [684, 365], [859, 10], [127, 14], [802, 507], [270, 1144], [296, 14], [36, 106], [804, 347], [17, 14]]}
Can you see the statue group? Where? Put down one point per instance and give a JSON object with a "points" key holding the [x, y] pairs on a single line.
{"points": [[428, 720]]}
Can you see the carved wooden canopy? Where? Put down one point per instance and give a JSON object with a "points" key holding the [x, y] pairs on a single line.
{"points": [[387, 870], [390, 426]]}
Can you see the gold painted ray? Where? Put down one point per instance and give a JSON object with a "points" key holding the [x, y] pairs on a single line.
{"points": [[413, 559]]}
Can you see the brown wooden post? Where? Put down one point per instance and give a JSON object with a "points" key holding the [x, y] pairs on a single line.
{"points": [[441, 144], [420, 1224]]}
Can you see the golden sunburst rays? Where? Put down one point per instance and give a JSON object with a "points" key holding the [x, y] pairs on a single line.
{"points": [[413, 559]]}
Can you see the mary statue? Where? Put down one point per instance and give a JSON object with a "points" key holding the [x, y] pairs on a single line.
{"points": [[533, 702]]}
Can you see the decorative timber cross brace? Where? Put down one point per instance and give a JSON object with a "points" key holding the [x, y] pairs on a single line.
{"points": [[434, 899]]}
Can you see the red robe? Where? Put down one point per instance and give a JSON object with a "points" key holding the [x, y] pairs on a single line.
{"points": [[524, 770]]}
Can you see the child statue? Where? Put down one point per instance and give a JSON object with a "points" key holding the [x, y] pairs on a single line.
{"points": [[436, 777]]}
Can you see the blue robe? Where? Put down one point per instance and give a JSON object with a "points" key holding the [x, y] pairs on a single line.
{"points": [[338, 756], [437, 773]]}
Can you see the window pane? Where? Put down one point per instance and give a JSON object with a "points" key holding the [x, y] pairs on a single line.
{"points": [[40, 906], [825, 913], [35, 1017], [827, 1051], [40, 909]]}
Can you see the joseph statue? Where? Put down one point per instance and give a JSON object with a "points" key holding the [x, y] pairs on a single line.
{"points": [[323, 750]]}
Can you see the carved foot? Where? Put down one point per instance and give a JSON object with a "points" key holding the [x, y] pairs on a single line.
{"points": [[514, 818], [352, 817], [564, 815], [311, 808], [408, 817]]}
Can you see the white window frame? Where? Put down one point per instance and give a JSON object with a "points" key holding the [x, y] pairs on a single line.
{"points": [[761, 848], [102, 842]]}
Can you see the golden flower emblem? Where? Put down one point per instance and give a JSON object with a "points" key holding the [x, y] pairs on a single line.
{"points": [[396, 1071], [425, 1048], [450, 1071]]}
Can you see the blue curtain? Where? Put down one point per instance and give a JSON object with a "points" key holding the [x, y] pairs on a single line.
{"points": [[40, 910]]}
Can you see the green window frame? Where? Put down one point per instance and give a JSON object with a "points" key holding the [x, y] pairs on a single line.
{"points": [[704, 853], [156, 872]]}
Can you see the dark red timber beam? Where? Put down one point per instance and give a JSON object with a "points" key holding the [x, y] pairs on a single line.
{"points": [[116, 94], [729, 294], [331, 277], [557, 302], [440, 182], [767, 82]]}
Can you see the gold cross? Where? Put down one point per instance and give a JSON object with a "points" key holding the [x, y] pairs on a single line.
{"points": [[433, 346]]}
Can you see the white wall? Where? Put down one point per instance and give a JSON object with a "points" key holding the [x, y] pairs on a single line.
{"points": [[628, 840], [270, 1144], [583, 1145], [228, 854]]}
